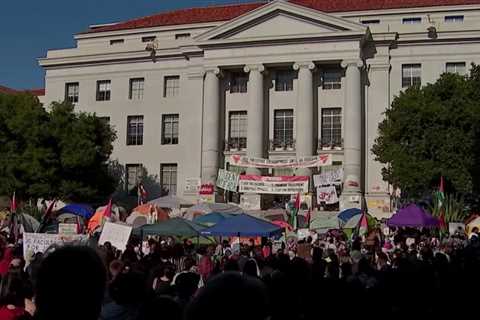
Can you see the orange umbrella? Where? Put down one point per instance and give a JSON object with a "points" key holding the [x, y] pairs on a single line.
{"points": [[147, 209], [144, 209]]}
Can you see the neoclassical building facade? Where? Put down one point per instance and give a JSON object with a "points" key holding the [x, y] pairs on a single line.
{"points": [[281, 79]]}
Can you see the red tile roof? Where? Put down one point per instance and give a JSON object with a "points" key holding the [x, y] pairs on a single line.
{"points": [[228, 12], [7, 90], [35, 92]]}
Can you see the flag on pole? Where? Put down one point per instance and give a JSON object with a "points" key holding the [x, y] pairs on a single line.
{"points": [[294, 213], [363, 225], [441, 202], [45, 216], [107, 213], [13, 203]]}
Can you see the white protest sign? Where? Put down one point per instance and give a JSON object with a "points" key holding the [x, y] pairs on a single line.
{"points": [[40, 242], [67, 228], [227, 180], [116, 234]]}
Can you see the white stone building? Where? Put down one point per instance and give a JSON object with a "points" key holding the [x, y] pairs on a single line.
{"points": [[268, 79]]}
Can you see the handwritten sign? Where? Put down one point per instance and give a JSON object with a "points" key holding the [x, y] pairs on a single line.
{"points": [[40, 242], [67, 228], [116, 234]]}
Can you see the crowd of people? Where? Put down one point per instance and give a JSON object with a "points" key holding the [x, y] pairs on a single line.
{"points": [[409, 273]]}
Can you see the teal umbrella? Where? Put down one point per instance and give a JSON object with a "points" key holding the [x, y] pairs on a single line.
{"points": [[176, 227]]}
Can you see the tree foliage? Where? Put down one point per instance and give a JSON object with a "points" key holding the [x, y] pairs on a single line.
{"points": [[430, 132], [53, 154]]}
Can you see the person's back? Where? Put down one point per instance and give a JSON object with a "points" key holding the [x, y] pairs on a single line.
{"points": [[70, 285]]}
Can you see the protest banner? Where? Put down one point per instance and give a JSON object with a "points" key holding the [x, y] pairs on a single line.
{"points": [[273, 185], [327, 195], [116, 234], [192, 185], [305, 162], [227, 180], [250, 201], [67, 228], [328, 178], [40, 242]]}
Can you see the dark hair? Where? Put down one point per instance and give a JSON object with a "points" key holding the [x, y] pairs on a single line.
{"points": [[250, 268], [13, 289], [70, 278], [226, 292], [127, 288]]}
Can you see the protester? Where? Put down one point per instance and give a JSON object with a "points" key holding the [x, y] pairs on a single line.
{"points": [[70, 285], [13, 292]]}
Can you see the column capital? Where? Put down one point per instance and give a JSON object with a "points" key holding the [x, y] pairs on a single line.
{"points": [[254, 67], [352, 62], [215, 70], [303, 65]]}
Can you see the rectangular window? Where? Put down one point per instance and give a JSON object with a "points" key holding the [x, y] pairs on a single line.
{"points": [[456, 67], [168, 178], [72, 91], [237, 135], [411, 75], [283, 129], [179, 36], [332, 79], [103, 90], [413, 20], [331, 127], [148, 39], [116, 41], [375, 21], [136, 89], [284, 80], [105, 120], [134, 130], [171, 86], [454, 19], [170, 129], [134, 176], [238, 82]]}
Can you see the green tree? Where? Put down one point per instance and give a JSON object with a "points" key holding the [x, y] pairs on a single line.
{"points": [[53, 154], [430, 132]]}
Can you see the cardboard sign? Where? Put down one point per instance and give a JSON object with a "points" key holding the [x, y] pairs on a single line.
{"points": [[67, 228], [454, 227], [40, 242], [116, 234], [273, 185], [227, 180], [250, 201], [192, 185]]}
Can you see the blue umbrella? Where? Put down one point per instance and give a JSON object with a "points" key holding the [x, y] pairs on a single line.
{"points": [[243, 225], [348, 214], [212, 218], [82, 210]]}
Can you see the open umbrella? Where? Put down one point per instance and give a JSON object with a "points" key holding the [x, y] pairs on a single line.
{"points": [[347, 214], [413, 216], [170, 201], [204, 208], [212, 218], [136, 220], [176, 227], [82, 210], [243, 225], [282, 224]]}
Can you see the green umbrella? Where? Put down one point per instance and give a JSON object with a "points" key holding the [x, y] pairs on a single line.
{"points": [[176, 227]]}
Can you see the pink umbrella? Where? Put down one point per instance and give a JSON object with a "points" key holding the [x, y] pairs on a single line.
{"points": [[282, 224]]}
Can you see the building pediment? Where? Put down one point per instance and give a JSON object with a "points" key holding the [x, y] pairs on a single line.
{"points": [[280, 19]]}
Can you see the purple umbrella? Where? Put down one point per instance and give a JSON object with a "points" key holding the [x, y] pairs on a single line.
{"points": [[413, 216]]}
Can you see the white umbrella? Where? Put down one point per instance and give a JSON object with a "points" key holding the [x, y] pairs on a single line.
{"points": [[170, 201], [137, 220]]}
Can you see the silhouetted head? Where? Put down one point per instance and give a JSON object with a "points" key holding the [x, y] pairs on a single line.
{"points": [[230, 296], [70, 285]]}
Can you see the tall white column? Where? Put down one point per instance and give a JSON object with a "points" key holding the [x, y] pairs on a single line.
{"points": [[256, 132], [353, 131], [211, 124], [304, 112]]}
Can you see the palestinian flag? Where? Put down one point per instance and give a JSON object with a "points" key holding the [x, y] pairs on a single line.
{"points": [[363, 225], [294, 213], [13, 203], [441, 202]]}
